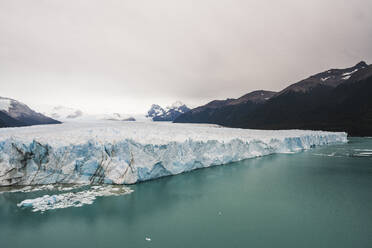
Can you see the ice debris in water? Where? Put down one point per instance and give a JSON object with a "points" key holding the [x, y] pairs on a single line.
{"points": [[363, 152], [148, 239], [73, 199], [35, 188]]}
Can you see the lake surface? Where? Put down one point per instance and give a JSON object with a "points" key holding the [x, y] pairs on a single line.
{"points": [[316, 198]]}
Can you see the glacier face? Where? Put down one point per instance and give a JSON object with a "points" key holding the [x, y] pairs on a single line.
{"points": [[126, 153]]}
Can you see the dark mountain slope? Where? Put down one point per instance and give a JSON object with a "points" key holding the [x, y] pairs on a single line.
{"points": [[7, 121], [226, 111], [342, 104], [347, 107], [331, 78], [16, 114]]}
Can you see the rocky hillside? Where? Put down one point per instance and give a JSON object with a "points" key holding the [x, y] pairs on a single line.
{"points": [[335, 100], [224, 111], [15, 114]]}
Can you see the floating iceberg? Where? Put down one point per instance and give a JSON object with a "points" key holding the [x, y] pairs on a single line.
{"points": [[73, 199], [130, 152]]}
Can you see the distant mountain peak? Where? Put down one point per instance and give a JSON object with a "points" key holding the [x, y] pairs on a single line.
{"points": [[157, 113], [155, 110], [257, 96], [221, 109], [15, 113], [361, 64], [333, 100], [64, 113], [330, 78]]}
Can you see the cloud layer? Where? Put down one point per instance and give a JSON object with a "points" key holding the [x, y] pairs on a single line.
{"points": [[121, 56]]}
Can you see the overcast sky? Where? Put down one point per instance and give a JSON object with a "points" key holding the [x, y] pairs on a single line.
{"points": [[122, 56]]}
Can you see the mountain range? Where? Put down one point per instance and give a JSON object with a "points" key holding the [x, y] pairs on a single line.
{"points": [[68, 114], [170, 113], [334, 100], [63, 113], [15, 114]]}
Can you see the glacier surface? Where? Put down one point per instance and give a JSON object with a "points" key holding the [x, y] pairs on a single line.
{"points": [[130, 152]]}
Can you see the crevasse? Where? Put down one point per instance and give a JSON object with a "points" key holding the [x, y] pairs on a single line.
{"points": [[126, 153]]}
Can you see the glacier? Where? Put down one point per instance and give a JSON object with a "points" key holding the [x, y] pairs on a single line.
{"points": [[106, 152]]}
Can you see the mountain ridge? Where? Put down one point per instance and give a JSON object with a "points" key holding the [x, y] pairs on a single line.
{"points": [[341, 104], [15, 114]]}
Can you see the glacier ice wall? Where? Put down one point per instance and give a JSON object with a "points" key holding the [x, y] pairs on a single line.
{"points": [[126, 153]]}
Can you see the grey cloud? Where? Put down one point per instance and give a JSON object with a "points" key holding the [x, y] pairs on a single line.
{"points": [[124, 55]]}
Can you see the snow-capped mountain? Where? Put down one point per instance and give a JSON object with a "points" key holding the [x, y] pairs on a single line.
{"points": [[68, 114], [170, 113], [330, 78], [14, 114], [155, 111], [63, 113], [116, 117]]}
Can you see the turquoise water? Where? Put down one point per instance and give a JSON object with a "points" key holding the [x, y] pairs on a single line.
{"points": [[316, 198]]}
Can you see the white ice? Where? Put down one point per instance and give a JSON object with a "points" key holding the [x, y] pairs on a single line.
{"points": [[347, 75], [129, 152], [5, 104], [325, 79], [73, 199]]}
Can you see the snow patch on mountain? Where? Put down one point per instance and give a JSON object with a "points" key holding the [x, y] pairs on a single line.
{"points": [[155, 110], [349, 73], [15, 113], [5, 104], [325, 79], [331, 78], [14, 108]]}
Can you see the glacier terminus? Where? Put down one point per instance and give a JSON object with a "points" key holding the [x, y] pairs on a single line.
{"points": [[107, 152]]}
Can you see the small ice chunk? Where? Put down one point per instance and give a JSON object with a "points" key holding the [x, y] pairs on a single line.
{"points": [[365, 153], [148, 239]]}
